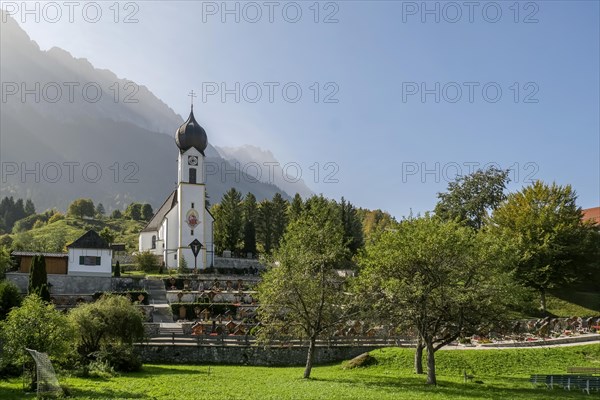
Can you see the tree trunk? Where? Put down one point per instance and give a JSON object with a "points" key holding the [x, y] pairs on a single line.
{"points": [[309, 358], [431, 379], [419, 357], [543, 300]]}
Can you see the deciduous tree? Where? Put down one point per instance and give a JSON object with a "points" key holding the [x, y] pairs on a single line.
{"points": [[439, 279], [471, 198], [554, 246], [301, 294]]}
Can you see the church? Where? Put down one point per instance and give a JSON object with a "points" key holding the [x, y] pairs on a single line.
{"points": [[183, 223]]}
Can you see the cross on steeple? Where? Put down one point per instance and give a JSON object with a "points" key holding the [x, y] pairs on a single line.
{"points": [[192, 95]]}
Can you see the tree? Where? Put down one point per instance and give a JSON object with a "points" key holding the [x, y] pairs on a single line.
{"points": [[146, 261], [116, 214], [147, 212], [353, 230], [111, 320], [250, 213], [38, 278], [471, 198], [296, 207], [438, 278], [35, 325], [100, 210], [301, 294], [29, 208], [228, 222], [82, 208], [182, 266], [553, 244], [10, 297], [134, 211], [108, 234], [264, 226], [279, 218], [5, 261], [374, 223]]}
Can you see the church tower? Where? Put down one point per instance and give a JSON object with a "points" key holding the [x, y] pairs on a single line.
{"points": [[195, 222], [183, 222]]}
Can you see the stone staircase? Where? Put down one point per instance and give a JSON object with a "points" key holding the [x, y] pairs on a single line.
{"points": [[158, 299]]}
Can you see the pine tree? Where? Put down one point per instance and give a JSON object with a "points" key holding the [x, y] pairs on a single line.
{"points": [[353, 230], [280, 218], [264, 226], [228, 222], [296, 207], [29, 207], [38, 279], [100, 210], [250, 213]]}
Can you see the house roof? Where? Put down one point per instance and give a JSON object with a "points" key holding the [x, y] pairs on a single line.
{"points": [[592, 214], [158, 217], [35, 253], [89, 240]]}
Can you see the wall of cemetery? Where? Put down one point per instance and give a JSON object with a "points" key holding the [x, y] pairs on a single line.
{"points": [[245, 355]]}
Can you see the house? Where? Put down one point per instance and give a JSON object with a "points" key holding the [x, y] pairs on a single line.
{"points": [[592, 214], [90, 255]]}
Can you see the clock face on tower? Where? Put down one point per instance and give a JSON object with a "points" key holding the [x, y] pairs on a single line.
{"points": [[192, 160]]}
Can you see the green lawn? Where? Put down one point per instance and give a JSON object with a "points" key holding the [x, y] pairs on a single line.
{"points": [[504, 374]]}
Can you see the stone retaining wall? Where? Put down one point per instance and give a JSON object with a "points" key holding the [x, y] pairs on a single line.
{"points": [[74, 285], [245, 355]]}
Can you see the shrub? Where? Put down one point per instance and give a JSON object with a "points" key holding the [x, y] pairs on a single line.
{"points": [[35, 325], [110, 321], [146, 261], [56, 217], [10, 296], [119, 356]]}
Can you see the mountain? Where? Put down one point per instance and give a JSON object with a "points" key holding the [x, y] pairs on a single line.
{"points": [[66, 132], [263, 165]]}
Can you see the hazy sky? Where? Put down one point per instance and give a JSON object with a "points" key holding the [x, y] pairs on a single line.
{"points": [[415, 100]]}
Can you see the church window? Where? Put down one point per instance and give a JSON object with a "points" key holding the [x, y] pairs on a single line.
{"points": [[153, 241], [192, 175], [192, 205], [192, 232]]}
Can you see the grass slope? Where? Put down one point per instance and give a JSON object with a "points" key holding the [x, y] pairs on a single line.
{"points": [[505, 374], [126, 230]]}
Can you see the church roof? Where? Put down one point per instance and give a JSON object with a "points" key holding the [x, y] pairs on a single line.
{"points": [[191, 134], [160, 215], [89, 240]]}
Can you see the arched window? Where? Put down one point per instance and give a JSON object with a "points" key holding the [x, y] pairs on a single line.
{"points": [[153, 241], [192, 175]]}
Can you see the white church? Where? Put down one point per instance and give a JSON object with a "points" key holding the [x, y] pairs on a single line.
{"points": [[183, 218]]}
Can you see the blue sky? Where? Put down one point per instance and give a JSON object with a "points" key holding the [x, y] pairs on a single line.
{"points": [[391, 148]]}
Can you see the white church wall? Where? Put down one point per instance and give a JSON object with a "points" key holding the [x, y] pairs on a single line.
{"points": [[170, 230], [191, 200]]}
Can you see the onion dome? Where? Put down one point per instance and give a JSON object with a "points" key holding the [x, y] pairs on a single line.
{"points": [[191, 134]]}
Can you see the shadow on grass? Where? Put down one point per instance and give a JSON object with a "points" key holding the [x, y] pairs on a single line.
{"points": [[513, 388], [589, 300], [154, 370]]}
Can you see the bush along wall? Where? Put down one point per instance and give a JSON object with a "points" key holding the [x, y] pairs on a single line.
{"points": [[134, 295]]}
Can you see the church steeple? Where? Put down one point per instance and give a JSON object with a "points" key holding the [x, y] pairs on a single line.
{"points": [[191, 134]]}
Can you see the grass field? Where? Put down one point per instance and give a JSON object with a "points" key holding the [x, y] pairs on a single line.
{"points": [[504, 374]]}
